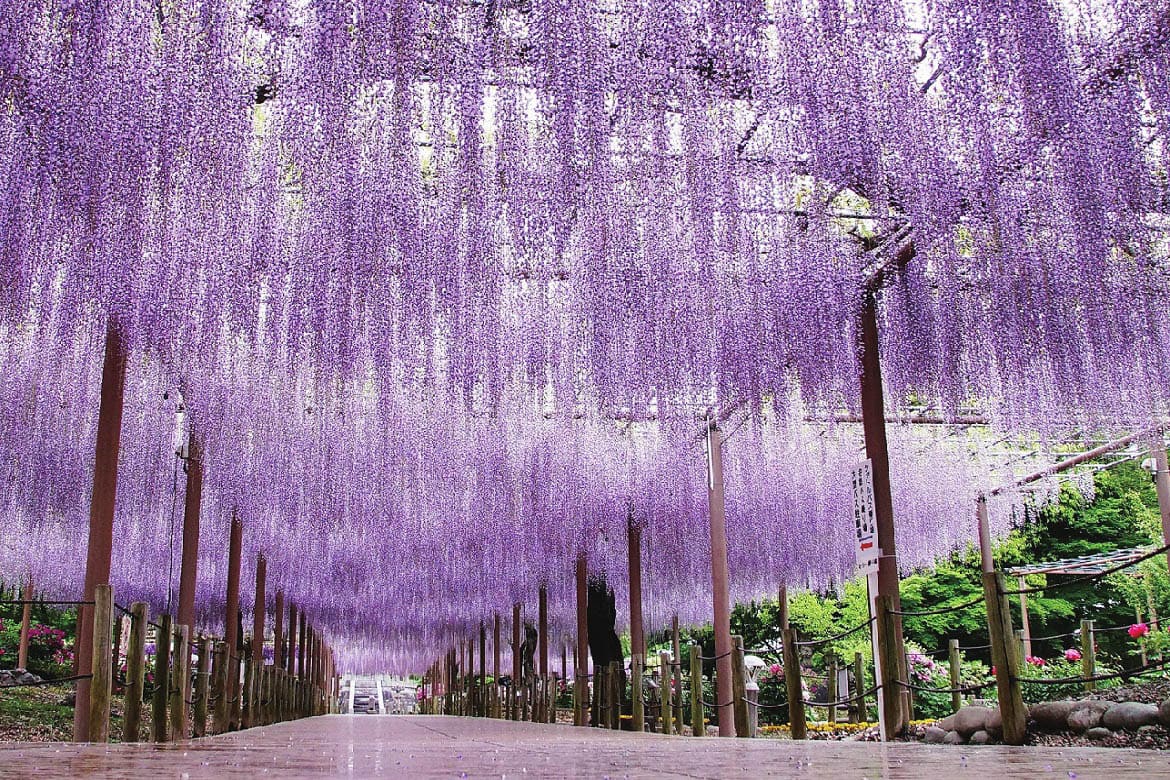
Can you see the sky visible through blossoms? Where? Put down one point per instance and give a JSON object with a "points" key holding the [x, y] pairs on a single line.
{"points": [[445, 288]]}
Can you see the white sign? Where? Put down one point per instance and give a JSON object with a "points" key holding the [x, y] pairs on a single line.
{"points": [[864, 519]]}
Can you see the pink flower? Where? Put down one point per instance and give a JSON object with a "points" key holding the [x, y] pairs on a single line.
{"points": [[1072, 654], [1138, 630], [1035, 660], [776, 670]]}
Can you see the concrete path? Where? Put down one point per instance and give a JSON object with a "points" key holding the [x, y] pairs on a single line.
{"points": [[432, 746]]}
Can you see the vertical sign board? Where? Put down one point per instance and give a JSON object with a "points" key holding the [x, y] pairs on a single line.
{"points": [[868, 552]]}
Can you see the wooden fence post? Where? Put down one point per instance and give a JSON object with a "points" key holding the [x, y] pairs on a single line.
{"points": [[247, 701], [1088, 655], [956, 677], [162, 678], [101, 684], [180, 680], [859, 681], [739, 706], [698, 727], [1005, 657], [832, 686], [615, 699], [637, 705], [219, 688], [665, 708], [202, 684], [135, 672], [797, 726]]}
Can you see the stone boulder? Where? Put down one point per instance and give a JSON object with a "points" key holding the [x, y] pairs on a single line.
{"points": [[994, 723], [1164, 713], [968, 720], [934, 735], [1099, 733], [1130, 716], [1080, 721], [1051, 715], [953, 738], [980, 738]]}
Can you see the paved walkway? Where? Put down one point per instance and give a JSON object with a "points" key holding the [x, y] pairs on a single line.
{"points": [[431, 746]]}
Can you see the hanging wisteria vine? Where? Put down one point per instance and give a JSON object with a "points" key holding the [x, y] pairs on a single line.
{"points": [[443, 287]]}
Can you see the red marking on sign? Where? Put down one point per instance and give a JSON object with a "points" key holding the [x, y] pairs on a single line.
{"points": [[867, 545]]}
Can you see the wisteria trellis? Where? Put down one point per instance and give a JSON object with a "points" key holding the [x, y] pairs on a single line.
{"points": [[443, 284]]}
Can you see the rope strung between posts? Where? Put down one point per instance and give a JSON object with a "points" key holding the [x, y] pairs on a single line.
{"points": [[712, 706], [835, 637], [939, 611], [1087, 577], [960, 689], [841, 702], [123, 610], [715, 657], [48, 682]]}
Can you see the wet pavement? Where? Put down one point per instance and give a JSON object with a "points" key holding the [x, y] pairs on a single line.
{"points": [[434, 746]]}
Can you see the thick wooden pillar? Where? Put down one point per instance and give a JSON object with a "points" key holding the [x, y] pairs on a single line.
{"points": [[581, 659], [873, 415], [258, 611], [190, 559], [231, 621], [101, 513], [637, 638], [542, 641], [720, 581], [278, 631], [496, 668], [483, 697], [291, 655], [25, 625], [517, 672]]}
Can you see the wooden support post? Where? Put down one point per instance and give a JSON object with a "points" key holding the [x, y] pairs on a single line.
{"points": [[615, 695], [101, 516], [676, 668], [698, 725], [291, 655], [953, 661], [135, 672], [634, 561], [231, 621], [258, 609], [720, 583], [859, 678], [832, 686], [665, 697], [219, 688], [1088, 655], [25, 625], [1004, 652], [246, 693], [162, 678], [581, 659], [496, 668], [103, 675], [1005, 658], [739, 689], [877, 450], [637, 707], [797, 725], [202, 688], [180, 680], [278, 631], [483, 698], [189, 562]]}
